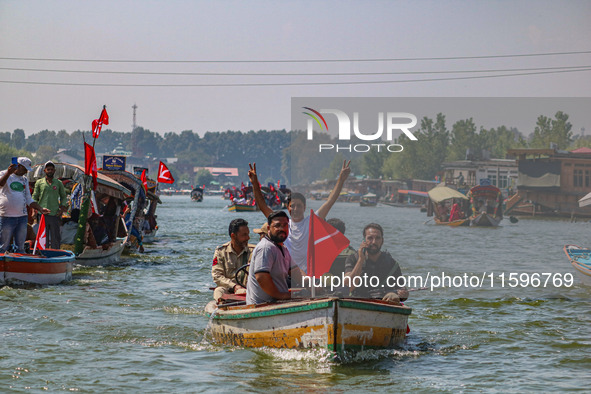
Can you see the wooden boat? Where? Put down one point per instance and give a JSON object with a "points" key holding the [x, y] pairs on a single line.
{"points": [[486, 202], [335, 324], [142, 207], [368, 200], [50, 267], [453, 223], [150, 227], [580, 258], [441, 202], [110, 195], [197, 194], [99, 256], [242, 208]]}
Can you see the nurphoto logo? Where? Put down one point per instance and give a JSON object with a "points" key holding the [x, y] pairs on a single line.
{"points": [[394, 121]]}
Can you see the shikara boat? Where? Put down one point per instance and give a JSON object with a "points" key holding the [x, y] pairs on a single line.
{"points": [[368, 200], [580, 258], [142, 206], [197, 194], [487, 206], [49, 267], [105, 233], [335, 324], [441, 202]]}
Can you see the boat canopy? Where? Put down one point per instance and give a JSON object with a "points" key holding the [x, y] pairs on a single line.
{"points": [[74, 172], [583, 202], [369, 195], [131, 182], [441, 193]]}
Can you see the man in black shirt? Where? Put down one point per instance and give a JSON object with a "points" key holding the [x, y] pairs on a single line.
{"points": [[370, 262]]}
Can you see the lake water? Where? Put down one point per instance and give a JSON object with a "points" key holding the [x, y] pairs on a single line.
{"points": [[139, 326]]}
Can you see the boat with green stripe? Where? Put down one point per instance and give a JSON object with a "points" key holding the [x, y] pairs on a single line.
{"points": [[332, 323]]}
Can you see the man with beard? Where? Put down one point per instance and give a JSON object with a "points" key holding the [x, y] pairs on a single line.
{"points": [[371, 261], [229, 257], [51, 194], [271, 264]]}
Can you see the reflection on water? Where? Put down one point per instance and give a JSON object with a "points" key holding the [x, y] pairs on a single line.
{"points": [[140, 324]]}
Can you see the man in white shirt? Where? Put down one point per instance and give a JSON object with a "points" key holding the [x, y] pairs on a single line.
{"points": [[15, 196], [299, 224]]}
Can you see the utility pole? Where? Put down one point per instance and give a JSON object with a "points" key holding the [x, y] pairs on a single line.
{"points": [[134, 124]]}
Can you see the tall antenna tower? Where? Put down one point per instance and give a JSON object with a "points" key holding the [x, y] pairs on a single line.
{"points": [[134, 124]]}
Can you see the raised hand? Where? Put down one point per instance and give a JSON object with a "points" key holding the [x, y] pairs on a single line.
{"points": [[346, 170], [252, 173]]}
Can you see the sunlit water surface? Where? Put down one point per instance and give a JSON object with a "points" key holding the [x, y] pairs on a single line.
{"points": [[139, 326]]}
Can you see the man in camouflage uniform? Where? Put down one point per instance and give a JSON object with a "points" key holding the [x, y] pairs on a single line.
{"points": [[229, 257]]}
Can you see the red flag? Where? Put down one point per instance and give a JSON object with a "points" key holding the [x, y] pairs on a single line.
{"points": [[90, 164], [324, 244], [144, 180], [164, 175], [97, 124], [41, 240]]}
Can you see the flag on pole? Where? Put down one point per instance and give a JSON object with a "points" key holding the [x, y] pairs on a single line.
{"points": [[324, 244], [164, 175], [90, 167], [97, 124], [41, 240], [93, 204], [144, 180]]}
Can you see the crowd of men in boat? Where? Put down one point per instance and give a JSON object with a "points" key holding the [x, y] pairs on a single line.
{"points": [[277, 264], [21, 209]]}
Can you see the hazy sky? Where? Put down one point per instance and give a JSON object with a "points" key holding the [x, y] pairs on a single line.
{"points": [[165, 31]]}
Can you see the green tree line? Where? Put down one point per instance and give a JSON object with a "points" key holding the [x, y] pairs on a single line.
{"points": [[292, 158]]}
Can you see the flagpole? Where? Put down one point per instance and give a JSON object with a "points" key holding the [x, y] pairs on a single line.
{"points": [[312, 253], [100, 120], [84, 208]]}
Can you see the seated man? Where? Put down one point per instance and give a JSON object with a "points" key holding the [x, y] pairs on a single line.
{"points": [[338, 266], [372, 261], [229, 257], [271, 264]]}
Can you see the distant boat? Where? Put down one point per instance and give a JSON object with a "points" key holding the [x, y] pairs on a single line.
{"points": [[580, 259], [242, 208], [441, 198], [49, 267], [368, 200], [197, 194], [487, 206], [335, 324]]}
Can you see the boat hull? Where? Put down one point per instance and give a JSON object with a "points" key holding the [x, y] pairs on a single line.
{"points": [[483, 219], [242, 208], [149, 237], [98, 256], [49, 268], [580, 259], [455, 223], [333, 323]]}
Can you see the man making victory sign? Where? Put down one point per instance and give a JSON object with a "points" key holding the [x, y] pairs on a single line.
{"points": [[299, 224]]}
